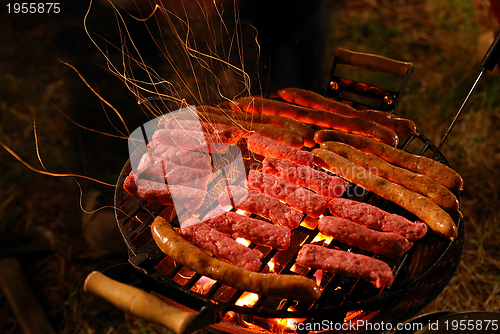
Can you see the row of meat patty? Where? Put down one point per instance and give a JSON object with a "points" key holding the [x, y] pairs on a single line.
{"points": [[273, 202]]}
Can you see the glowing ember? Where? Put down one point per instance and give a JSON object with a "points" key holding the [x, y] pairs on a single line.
{"points": [[271, 265], [352, 314], [287, 324], [243, 241], [309, 222], [247, 299], [318, 275], [203, 285], [242, 212], [321, 237], [186, 273]]}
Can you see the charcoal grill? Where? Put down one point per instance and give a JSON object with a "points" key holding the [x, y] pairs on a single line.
{"points": [[419, 276]]}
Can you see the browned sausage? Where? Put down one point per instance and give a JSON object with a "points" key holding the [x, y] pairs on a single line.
{"points": [[435, 217], [292, 287], [403, 127], [422, 184], [281, 134], [257, 105], [283, 122], [435, 170]]}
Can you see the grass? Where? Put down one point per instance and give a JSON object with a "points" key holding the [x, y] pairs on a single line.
{"points": [[439, 37]]}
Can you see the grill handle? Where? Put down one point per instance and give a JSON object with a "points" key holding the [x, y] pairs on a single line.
{"points": [[373, 62], [139, 303]]}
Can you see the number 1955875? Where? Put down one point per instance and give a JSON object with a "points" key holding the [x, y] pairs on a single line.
{"points": [[34, 7]]}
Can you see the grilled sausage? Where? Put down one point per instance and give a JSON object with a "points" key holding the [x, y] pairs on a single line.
{"points": [[217, 142], [292, 287], [248, 121], [417, 163], [346, 263], [179, 156], [305, 176], [282, 134], [261, 204], [267, 147], [419, 183], [435, 217], [161, 193], [308, 202], [353, 234], [306, 98], [376, 218], [221, 245], [323, 118], [254, 230]]}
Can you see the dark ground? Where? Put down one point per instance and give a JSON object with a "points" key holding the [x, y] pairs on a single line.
{"points": [[33, 83]]}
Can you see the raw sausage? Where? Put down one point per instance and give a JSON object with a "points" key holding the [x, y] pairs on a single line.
{"points": [[292, 287]]}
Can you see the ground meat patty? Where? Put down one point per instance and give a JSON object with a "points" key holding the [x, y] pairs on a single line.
{"points": [[376, 218], [322, 183], [254, 230], [353, 234], [172, 173], [213, 142], [254, 202], [297, 197], [216, 132], [160, 193], [179, 156], [346, 263], [268, 147], [222, 246]]}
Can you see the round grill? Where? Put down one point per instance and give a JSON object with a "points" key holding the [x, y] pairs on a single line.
{"points": [[419, 276]]}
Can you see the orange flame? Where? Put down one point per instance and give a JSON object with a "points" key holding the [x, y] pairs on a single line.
{"points": [[243, 241], [352, 314], [287, 324], [242, 212], [203, 285], [321, 237], [247, 299], [318, 275], [271, 264]]}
